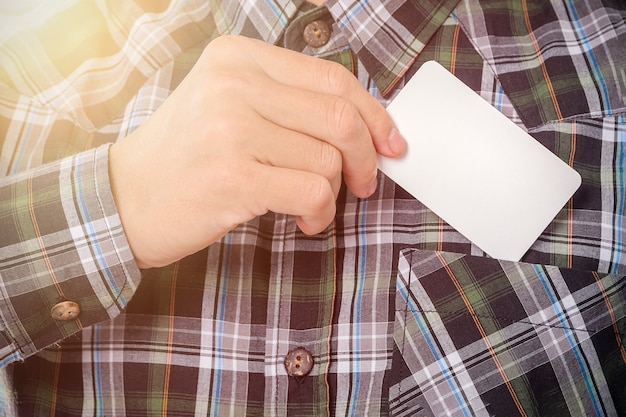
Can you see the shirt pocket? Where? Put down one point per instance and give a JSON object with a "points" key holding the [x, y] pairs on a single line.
{"points": [[479, 336]]}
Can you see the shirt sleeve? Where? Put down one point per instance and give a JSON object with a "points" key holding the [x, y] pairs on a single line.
{"points": [[65, 262]]}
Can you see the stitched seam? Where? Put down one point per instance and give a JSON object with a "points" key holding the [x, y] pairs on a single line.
{"points": [[510, 321], [406, 310]]}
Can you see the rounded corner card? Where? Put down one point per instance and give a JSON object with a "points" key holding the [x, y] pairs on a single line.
{"points": [[473, 167]]}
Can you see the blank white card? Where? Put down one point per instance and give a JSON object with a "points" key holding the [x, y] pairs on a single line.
{"points": [[473, 167]]}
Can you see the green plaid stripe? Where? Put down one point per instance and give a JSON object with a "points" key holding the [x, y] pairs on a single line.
{"points": [[208, 335], [559, 50], [52, 238], [485, 336], [388, 36], [262, 20]]}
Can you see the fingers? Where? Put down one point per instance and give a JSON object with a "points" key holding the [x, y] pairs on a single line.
{"points": [[285, 148], [331, 119], [314, 120], [321, 76], [325, 77], [306, 195], [262, 129]]}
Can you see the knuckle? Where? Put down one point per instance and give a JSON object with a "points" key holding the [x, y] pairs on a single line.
{"points": [[231, 174], [227, 83], [225, 177], [319, 194], [331, 160], [224, 42], [336, 77], [344, 119]]}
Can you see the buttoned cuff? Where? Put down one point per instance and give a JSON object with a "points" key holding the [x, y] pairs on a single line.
{"points": [[65, 262]]}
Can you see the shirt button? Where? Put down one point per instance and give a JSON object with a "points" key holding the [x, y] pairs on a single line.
{"points": [[316, 33], [298, 362], [65, 311]]}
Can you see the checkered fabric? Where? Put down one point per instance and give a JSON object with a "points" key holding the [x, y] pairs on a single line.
{"points": [[402, 314], [488, 337]]}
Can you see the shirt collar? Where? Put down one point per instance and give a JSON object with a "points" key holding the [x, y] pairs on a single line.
{"points": [[264, 19], [387, 35]]}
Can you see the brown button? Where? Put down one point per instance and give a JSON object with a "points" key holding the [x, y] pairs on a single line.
{"points": [[65, 311], [316, 33], [298, 362]]}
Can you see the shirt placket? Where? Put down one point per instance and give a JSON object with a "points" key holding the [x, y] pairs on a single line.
{"points": [[299, 321]]}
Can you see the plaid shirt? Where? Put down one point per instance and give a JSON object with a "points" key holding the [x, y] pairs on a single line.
{"points": [[401, 313]]}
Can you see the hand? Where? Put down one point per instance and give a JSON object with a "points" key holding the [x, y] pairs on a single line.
{"points": [[252, 128]]}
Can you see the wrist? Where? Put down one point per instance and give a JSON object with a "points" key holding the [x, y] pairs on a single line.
{"points": [[120, 178]]}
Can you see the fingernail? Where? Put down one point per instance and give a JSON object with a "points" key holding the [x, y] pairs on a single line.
{"points": [[396, 142]]}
